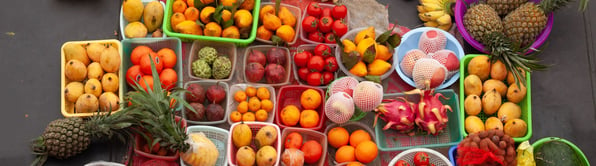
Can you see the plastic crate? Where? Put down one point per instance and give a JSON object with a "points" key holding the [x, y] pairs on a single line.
{"points": [[254, 126], [232, 104], [350, 127], [525, 104], [290, 95], [167, 28], [139, 141], [410, 41], [228, 49], [435, 158], [297, 13], [218, 136], [265, 49], [453, 155], [392, 140], [350, 36], [67, 108], [308, 135], [311, 48], [224, 104], [584, 161], [124, 22], [304, 34]]}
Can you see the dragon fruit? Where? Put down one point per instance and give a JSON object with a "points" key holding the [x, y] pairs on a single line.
{"points": [[367, 95], [339, 108], [399, 115], [432, 114], [432, 41], [448, 59], [408, 61], [344, 84], [428, 73]]}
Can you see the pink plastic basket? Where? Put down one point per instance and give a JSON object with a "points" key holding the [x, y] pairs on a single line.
{"points": [[290, 95], [254, 126], [308, 135]]}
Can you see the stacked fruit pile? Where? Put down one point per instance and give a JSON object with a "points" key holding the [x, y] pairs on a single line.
{"points": [[140, 71], [211, 109], [151, 14], [346, 95], [308, 117], [352, 147], [253, 104], [211, 64], [436, 13], [265, 141], [281, 23], [297, 153], [365, 56], [318, 68], [491, 147], [209, 17], [324, 25], [273, 67]]}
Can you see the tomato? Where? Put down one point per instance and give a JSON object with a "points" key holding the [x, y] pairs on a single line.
{"points": [[339, 11], [146, 80], [421, 158], [133, 74], [316, 37], [339, 27], [325, 24], [331, 64], [326, 12], [301, 58], [316, 64], [146, 63], [138, 52], [293, 140], [402, 163], [330, 38], [168, 56], [323, 50], [312, 151], [314, 9], [327, 77], [303, 73], [314, 78], [168, 78], [310, 24]]}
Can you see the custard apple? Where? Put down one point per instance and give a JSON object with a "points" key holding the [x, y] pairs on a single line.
{"points": [[222, 67], [208, 54], [201, 69]]}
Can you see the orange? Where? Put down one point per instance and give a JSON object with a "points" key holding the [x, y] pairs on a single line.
{"points": [[310, 99], [359, 136], [235, 116], [290, 115], [261, 115], [179, 6], [207, 1], [267, 105], [264, 33], [229, 3], [366, 152], [242, 18], [355, 163], [248, 117], [212, 29], [266, 9], [190, 3], [309, 118], [231, 32], [251, 91], [138, 52], [254, 104], [177, 18], [338, 136], [191, 13], [240, 96], [263, 93], [271, 22], [206, 13], [286, 33], [226, 15], [242, 107], [168, 57], [345, 154]]}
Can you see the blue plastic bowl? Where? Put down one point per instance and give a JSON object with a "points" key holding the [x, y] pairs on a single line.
{"points": [[453, 154], [410, 41]]}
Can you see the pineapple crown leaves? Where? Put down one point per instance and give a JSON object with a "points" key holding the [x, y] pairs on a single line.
{"points": [[105, 126], [551, 5]]}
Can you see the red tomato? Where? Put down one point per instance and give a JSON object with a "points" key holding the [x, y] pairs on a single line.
{"points": [[421, 158], [168, 78], [330, 38], [301, 58], [312, 151], [339, 11], [314, 78], [303, 73], [326, 12], [327, 77], [316, 64], [316, 37], [331, 64], [402, 163], [323, 50], [293, 140], [138, 52], [146, 63], [310, 24], [133, 74], [146, 80], [325, 24], [339, 27], [314, 9]]}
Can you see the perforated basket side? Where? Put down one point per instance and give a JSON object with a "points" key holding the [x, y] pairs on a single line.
{"points": [[290, 95], [308, 135], [350, 126], [224, 104], [254, 126], [218, 136], [227, 49], [435, 157], [232, 104]]}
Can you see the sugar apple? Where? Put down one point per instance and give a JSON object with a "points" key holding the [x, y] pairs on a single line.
{"points": [[208, 54], [201, 69], [222, 67]]}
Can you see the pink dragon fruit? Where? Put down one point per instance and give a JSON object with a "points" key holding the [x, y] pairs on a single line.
{"points": [[432, 41], [432, 114], [344, 84], [339, 108], [428, 73], [367, 95], [448, 59], [408, 61], [399, 115]]}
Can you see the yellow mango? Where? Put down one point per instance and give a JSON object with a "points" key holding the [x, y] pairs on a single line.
{"points": [[383, 53], [367, 33], [359, 69], [349, 46], [287, 18], [189, 27], [364, 44], [378, 67]]}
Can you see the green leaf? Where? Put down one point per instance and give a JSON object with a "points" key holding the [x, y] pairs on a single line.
{"points": [[394, 40], [369, 54], [228, 23], [372, 78], [277, 6], [277, 40], [350, 59], [384, 36], [199, 5], [217, 14]]}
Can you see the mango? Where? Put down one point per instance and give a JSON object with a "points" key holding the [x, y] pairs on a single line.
{"points": [[153, 15]]}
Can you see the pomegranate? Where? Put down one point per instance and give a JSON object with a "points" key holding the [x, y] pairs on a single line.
{"points": [[275, 73], [277, 56], [254, 72], [256, 56]]}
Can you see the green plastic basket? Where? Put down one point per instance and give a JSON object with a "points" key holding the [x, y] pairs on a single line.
{"points": [[392, 140], [584, 161], [167, 28], [525, 104]]}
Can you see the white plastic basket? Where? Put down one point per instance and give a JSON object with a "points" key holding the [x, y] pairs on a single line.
{"points": [[124, 22], [218, 136], [297, 13], [435, 157], [351, 35], [232, 104], [254, 126], [224, 104]]}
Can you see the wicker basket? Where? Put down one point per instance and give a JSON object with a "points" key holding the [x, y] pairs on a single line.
{"points": [[254, 126], [308, 135], [290, 95], [435, 157], [218, 136]]}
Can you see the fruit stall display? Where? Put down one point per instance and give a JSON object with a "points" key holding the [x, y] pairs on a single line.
{"points": [[141, 18], [278, 23]]}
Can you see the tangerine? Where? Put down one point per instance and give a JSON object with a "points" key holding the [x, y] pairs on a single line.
{"points": [[263, 93], [235, 116], [310, 99], [355, 163], [212, 29], [168, 57], [267, 105], [228, 3], [286, 33], [338, 137], [309, 118], [264, 33], [226, 15], [242, 18], [254, 104], [345, 154], [251, 91], [231, 32], [206, 13], [177, 18], [359, 136], [242, 107], [366, 152], [293, 140], [179, 6], [138, 53], [290, 115], [248, 117], [191, 13], [240, 96], [261, 115]]}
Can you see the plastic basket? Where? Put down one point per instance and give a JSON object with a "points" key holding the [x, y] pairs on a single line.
{"points": [[410, 41], [224, 104], [453, 155], [228, 49], [290, 95], [460, 11], [124, 22], [304, 34], [218, 136], [167, 28], [311, 48], [525, 104], [435, 157], [67, 108], [139, 140], [351, 35], [254, 126], [265, 49], [308, 135], [584, 161], [297, 13], [392, 140], [350, 127], [232, 104]]}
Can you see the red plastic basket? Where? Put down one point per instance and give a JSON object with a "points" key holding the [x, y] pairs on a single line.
{"points": [[308, 135], [139, 141], [290, 95], [254, 126]]}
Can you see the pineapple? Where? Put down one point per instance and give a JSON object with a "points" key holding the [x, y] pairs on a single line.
{"points": [[482, 19], [503, 7]]}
